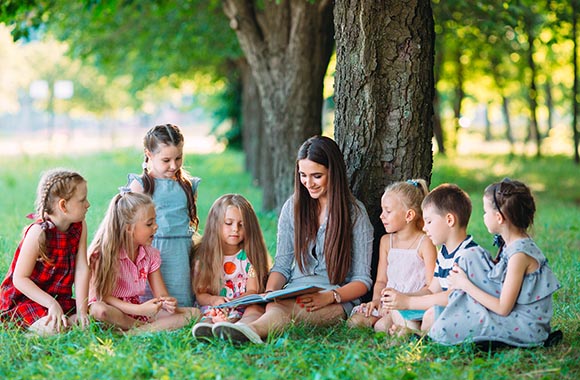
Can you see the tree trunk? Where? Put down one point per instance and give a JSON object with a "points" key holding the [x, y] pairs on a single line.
{"points": [[549, 106], [575, 86], [533, 90], [508, 124], [252, 128], [459, 95], [384, 95], [288, 44], [488, 136], [437, 125]]}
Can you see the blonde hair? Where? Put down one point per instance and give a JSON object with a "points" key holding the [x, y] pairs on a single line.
{"points": [[209, 254], [112, 236], [54, 185], [411, 193]]}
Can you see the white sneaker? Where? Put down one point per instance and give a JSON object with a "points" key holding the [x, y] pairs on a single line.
{"points": [[202, 330], [238, 333]]}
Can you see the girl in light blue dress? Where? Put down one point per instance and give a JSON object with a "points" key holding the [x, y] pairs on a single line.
{"points": [[174, 193], [509, 302]]}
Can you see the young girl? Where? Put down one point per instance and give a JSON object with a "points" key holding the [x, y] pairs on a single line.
{"points": [[510, 302], [37, 291], [406, 258], [174, 194], [232, 260], [123, 262]]}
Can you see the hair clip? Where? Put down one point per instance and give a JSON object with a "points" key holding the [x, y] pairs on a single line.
{"points": [[413, 182], [124, 190]]}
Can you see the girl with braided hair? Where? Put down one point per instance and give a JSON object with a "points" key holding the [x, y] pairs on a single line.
{"points": [[174, 193], [52, 256]]}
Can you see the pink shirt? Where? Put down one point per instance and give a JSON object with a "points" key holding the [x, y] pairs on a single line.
{"points": [[132, 276]]}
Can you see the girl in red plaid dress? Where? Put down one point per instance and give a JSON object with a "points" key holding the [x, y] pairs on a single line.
{"points": [[37, 290], [123, 262]]}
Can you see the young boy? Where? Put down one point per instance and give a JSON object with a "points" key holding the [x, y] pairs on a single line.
{"points": [[446, 212]]}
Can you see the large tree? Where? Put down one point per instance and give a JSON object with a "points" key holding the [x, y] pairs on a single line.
{"points": [[384, 94], [287, 44]]}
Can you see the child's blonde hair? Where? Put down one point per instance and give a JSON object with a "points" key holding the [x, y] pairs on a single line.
{"points": [[112, 236], [209, 254], [411, 193], [55, 184]]}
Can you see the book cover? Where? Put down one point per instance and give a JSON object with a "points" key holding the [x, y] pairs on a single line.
{"points": [[271, 296]]}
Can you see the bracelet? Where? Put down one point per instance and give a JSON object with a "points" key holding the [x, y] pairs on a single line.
{"points": [[268, 291], [337, 297]]}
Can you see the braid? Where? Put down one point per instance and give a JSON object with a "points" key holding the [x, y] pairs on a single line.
{"points": [[55, 184]]}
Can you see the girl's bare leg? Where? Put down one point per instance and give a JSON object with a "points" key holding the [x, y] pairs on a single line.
{"points": [[165, 321], [104, 312], [42, 328], [252, 313], [360, 320], [384, 323]]}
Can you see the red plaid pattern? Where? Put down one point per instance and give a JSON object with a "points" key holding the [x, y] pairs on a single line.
{"points": [[54, 278]]}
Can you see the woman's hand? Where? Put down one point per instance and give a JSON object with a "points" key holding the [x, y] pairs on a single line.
{"points": [[315, 301], [393, 300], [457, 278]]}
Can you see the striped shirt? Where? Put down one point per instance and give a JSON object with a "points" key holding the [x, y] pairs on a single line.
{"points": [[132, 276], [446, 259]]}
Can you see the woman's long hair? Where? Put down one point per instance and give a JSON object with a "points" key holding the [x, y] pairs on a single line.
{"points": [[338, 240], [113, 236], [209, 254]]}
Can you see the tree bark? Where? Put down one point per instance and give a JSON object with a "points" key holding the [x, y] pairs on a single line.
{"points": [[288, 44], [252, 128], [533, 89], [384, 91], [575, 85]]}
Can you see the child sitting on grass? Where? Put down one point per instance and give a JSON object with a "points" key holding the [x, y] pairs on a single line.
{"points": [[37, 292], [232, 260], [407, 259], [123, 262]]}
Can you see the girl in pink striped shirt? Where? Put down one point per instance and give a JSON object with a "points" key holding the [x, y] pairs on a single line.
{"points": [[123, 262]]}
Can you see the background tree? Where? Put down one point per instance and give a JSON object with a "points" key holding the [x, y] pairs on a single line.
{"points": [[287, 44], [384, 92]]}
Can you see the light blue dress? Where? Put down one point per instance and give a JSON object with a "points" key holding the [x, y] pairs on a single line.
{"points": [[528, 324], [173, 237]]}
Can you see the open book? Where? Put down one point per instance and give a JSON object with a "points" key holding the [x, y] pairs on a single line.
{"points": [[271, 296]]}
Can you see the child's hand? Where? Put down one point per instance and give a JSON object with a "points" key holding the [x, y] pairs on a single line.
{"points": [[56, 317], [393, 300], [457, 278], [218, 300], [151, 307], [83, 320], [368, 308], [169, 304]]}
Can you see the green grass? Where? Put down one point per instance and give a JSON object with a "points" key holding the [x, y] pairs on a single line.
{"points": [[302, 351]]}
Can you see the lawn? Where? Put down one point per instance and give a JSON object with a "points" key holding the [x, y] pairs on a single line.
{"points": [[300, 352]]}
